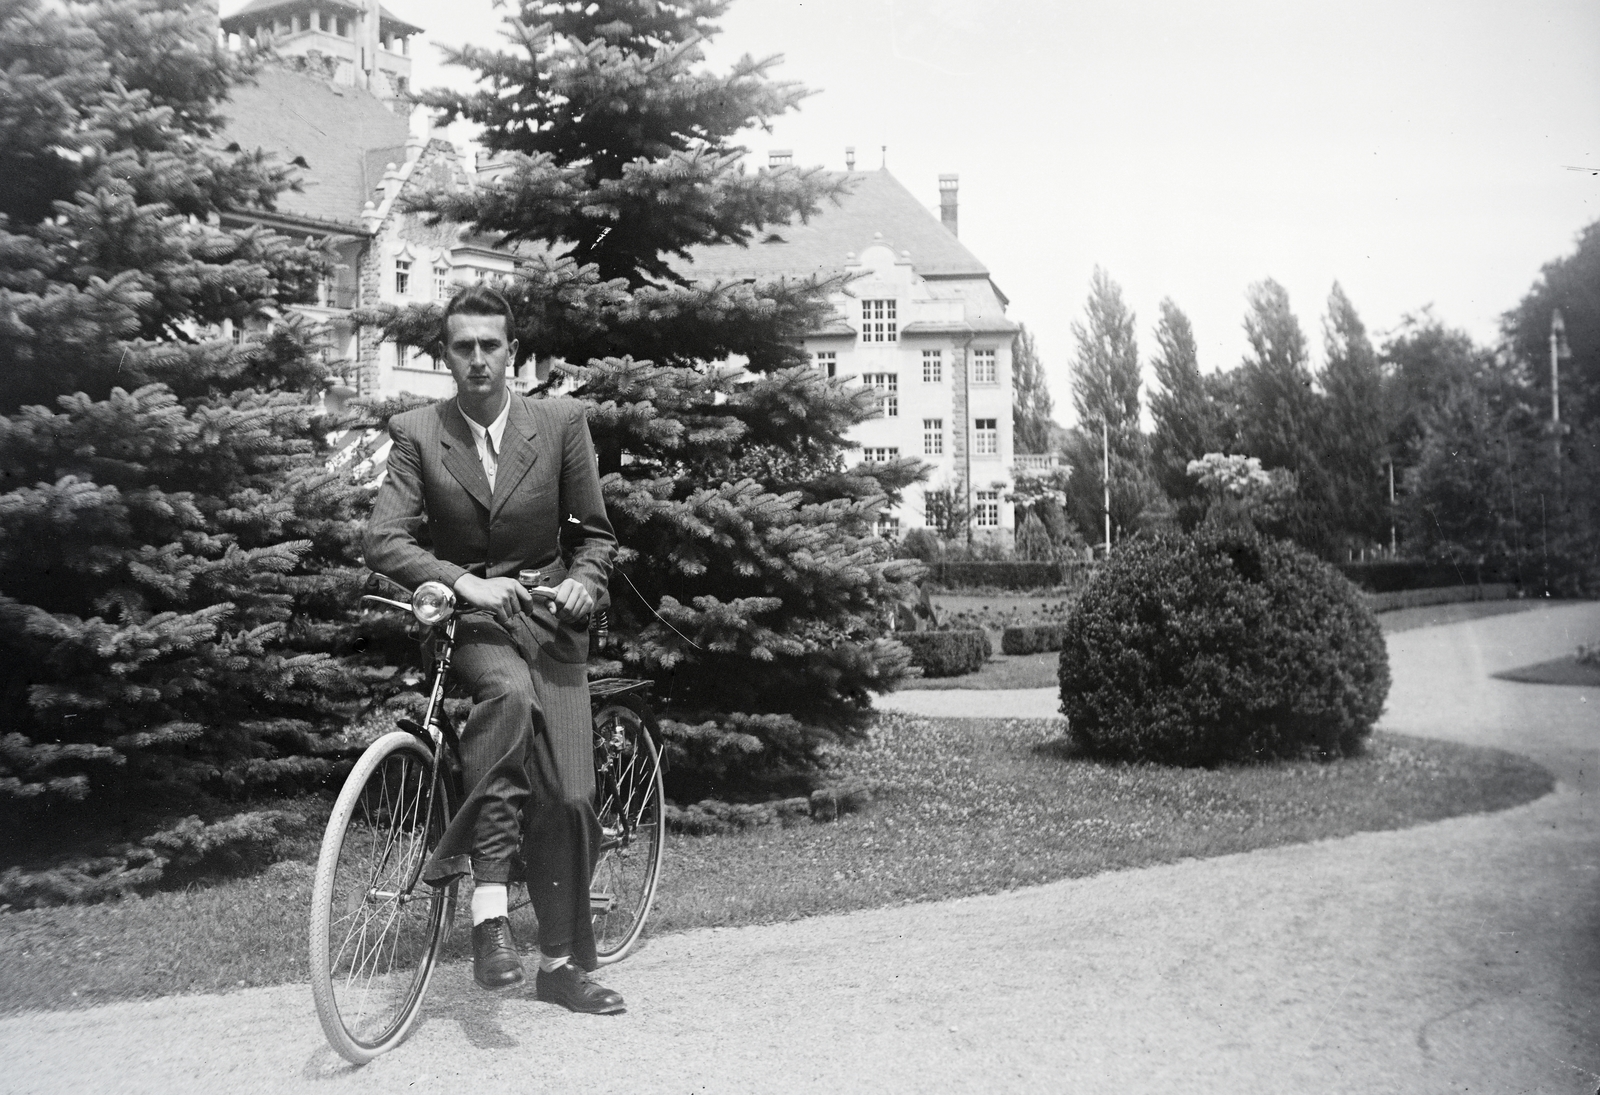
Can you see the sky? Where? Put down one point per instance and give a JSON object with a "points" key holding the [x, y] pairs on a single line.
{"points": [[1417, 153]]}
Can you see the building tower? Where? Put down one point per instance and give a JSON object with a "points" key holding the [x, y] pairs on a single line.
{"points": [[358, 43]]}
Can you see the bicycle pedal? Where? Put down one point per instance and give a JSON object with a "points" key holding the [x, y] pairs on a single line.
{"points": [[601, 904]]}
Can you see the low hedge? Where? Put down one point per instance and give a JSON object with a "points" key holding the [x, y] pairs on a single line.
{"points": [[1032, 638], [1398, 575], [1007, 574], [1442, 595], [947, 653], [1220, 647]]}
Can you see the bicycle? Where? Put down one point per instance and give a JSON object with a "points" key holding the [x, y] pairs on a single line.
{"points": [[377, 930]]}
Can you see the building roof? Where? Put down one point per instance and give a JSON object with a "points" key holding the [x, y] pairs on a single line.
{"points": [[877, 203], [345, 135], [255, 9]]}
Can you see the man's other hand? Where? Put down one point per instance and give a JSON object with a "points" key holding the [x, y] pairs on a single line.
{"points": [[504, 597], [572, 601]]}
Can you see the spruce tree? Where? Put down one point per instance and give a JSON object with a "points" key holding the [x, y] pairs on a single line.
{"points": [[741, 520], [175, 559]]}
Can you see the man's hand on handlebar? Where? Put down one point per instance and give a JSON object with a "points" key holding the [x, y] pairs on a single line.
{"points": [[572, 601], [504, 597]]}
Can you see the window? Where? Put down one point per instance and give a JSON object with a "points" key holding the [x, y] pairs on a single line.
{"points": [[880, 455], [341, 26], [888, 527], [933, 437], [878, 323], [983, 367], [402, 277], [828, 362], [888, 387], [985, 437], [237, 333], [441, 283], [932, 366], [986, 509]]}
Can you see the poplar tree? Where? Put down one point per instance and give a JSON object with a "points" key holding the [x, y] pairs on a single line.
{"points": [[1350, 435], [742, 517], [1184, 412], [175, 558], [1032, 409]]}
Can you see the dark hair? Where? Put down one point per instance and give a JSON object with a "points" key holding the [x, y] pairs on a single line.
{"points": [[477, 300]]}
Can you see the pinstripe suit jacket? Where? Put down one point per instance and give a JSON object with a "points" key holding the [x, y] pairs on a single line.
{"points": [[435, 517]]}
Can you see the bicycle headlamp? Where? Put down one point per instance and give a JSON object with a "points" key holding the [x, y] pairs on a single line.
{"points": [[433, 603]]}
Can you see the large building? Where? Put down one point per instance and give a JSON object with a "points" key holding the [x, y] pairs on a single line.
{"points": [[922, 322], [334, 102], [920, 319]]}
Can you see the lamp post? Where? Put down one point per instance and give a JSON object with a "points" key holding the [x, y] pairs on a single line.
{"points": [[1389, 462], [1105, 464], [1558, 332]]}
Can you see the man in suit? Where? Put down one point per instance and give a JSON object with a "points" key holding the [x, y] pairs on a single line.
{"points": [[477, 489]]}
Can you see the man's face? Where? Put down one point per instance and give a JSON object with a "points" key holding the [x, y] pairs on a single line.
{"points": [[478, 349]]}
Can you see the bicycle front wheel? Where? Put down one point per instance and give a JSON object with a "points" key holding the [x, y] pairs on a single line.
{"points": [[630, 801], [376, 927]]}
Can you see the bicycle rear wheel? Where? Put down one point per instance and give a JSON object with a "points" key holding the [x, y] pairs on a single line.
{"points": [[630, 802], [376, 927]]}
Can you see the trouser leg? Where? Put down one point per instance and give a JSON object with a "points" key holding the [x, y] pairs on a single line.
{"points": [[561, 840], [484, 836]]}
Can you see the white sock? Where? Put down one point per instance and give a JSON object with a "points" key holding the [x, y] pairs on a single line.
{"points": [[548, 962], [488, 901]]}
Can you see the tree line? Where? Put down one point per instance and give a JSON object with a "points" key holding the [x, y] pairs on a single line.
{"points": [[1462, 431]]}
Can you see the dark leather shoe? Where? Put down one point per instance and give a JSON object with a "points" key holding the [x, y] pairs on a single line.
{"points": [[571, 988], [495, 964]]}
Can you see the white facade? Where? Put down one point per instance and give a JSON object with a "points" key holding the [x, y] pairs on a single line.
{"points": [[944, 381]]}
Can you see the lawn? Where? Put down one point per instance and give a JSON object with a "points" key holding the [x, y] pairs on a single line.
{"points": [[965, 806], [1568, 670]]}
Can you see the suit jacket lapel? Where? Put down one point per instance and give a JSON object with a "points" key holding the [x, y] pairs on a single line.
{"points": [[517, 453], [461, 455]]}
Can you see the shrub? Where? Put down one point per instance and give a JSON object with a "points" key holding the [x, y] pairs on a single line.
{"points": [[947, 653], [1031, 638], [919, 543], [1033, 541], [1223, 647]]}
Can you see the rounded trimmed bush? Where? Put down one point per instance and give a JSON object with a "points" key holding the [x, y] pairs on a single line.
{"points": [[1220, 647]]}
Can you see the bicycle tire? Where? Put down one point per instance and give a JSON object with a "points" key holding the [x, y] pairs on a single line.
{"points": [[630, 800], [376, 928]]}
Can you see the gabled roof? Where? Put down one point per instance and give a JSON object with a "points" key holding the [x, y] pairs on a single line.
{"points": [[387, 20], [876, 204], [345, 135]]}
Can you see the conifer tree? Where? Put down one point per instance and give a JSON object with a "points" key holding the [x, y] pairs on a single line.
{"points": [[174, 556], [740, 519]]}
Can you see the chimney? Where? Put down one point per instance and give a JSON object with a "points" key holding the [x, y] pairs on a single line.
{"points": [[947, 201], [849, 157], [780, 157]]}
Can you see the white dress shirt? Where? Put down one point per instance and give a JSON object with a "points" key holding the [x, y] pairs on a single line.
{"points": [[489, 439]]}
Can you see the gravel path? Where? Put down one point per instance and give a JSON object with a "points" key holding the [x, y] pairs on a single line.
{"points": [[1458, 956]]}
